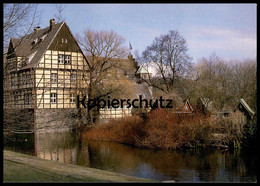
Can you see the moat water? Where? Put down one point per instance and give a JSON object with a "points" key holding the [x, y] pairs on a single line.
{"points": [[211, 165]]}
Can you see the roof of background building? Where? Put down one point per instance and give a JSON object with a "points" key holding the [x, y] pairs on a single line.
{"points": [[246, 106]]}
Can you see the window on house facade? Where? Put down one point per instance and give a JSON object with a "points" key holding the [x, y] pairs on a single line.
{"points": [[28, 78], [54, 77], [6, 99], [72, 98], [53, 97], [27, 98], [16, 99], [24, 79], [12, 79], [73, 78], [61, 58], [67, 59], [64, 59]]}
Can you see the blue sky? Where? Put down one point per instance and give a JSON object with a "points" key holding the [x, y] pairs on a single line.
{"points": [[229, 30]]}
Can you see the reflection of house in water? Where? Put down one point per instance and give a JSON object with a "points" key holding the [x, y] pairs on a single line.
{"points": [[61, 147]]}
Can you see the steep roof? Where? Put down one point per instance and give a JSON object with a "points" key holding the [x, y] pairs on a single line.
{"points": [[142, 69], [187, 106], [35, 44], [246, 106]]}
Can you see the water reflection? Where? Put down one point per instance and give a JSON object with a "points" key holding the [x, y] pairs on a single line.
{"points": [[188, 166], [62, 147]]}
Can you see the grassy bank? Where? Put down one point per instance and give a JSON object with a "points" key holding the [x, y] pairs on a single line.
{"points": [[166, 130], [24, 168]]}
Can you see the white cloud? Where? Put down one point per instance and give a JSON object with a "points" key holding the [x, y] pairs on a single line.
{"points": [[228, 43]]}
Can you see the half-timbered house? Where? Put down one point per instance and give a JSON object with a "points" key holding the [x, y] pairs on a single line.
{"points": [[44, 70]]}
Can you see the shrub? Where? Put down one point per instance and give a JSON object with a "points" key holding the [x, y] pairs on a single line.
{"points": [[127, 130], [168, 130], [231, 128], [249, 140]]}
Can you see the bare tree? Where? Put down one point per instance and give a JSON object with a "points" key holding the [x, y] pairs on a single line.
{"points": [[19, 20], [60, 8], [244, 80], [223, 82], [108, 67], [169, 54]]}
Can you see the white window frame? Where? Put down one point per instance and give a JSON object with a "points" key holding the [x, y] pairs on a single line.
{"points": [[53, 98], [27, 98], [61, 58], [67, 59], [64, 59], [53, 78], [73, 78], [72, 98]]}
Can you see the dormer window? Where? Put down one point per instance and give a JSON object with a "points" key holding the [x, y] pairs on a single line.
{"points": [[43, 37], [35, 41]]}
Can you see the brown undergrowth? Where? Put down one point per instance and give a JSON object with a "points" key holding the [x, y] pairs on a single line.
{"points": [[162, 129]]}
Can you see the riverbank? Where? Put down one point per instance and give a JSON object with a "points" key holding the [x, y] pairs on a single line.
{"points": [[162, 129], [24, 168]]}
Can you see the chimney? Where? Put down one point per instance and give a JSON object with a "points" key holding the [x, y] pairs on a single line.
{"points": [[52, 23], [37, 29]]}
